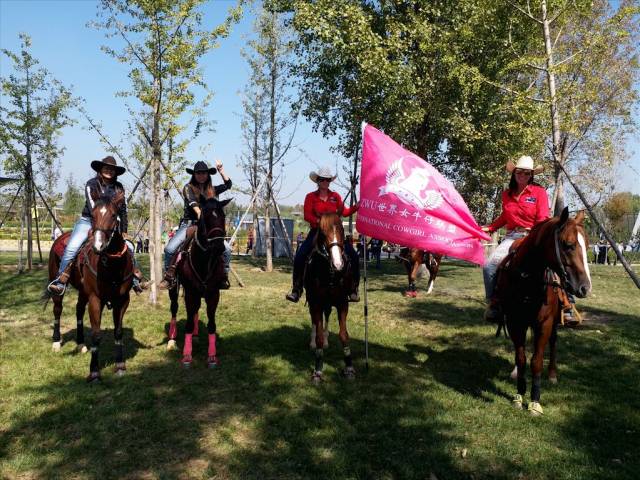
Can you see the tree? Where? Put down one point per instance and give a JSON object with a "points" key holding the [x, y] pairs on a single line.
{"points": [[73, 199], [32, 119], [163, 43]]}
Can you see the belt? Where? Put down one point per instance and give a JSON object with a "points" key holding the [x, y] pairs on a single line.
{"points": [[519, 230]]}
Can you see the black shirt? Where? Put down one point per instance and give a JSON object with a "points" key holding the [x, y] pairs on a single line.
{"points": [[191, 199], [96, 189]]}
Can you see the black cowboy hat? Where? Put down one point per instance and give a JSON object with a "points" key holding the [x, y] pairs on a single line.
{"points": [[201, 167], [98, 164]]}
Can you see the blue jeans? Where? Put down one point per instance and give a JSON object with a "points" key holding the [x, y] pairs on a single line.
{"points": [[491, 267], [178, 239], [77, 238]]}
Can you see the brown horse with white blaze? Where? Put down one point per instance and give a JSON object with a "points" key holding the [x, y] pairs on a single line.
{"points": [[530, 292], [103, 275], [413, 260], [328, 283]]}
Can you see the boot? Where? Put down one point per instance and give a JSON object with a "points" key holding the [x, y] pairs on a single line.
{"points": [[493, 313], [169, 279], [139, 283], [296, 290], [59, 285], [224, 283], [354, 297]]}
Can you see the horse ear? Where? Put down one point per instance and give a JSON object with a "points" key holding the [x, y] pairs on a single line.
{"points": [[223, 203], [580, 218], [564, 216]]}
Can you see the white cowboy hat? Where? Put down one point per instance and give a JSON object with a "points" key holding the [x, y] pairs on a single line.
{"points": [[323, 172], [525, 162]]}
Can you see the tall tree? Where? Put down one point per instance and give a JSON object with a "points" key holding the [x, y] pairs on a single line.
{"points": [[32, 119], [163, 42]]}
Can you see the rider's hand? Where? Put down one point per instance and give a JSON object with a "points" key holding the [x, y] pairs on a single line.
{"points": [[485, 229], [126, 236], [219, 165]]}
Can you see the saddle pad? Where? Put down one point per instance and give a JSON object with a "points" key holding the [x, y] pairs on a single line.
{"points": [[61, 243]]}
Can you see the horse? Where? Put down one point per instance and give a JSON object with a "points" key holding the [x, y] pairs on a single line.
{"points": [[103, 275], [200, 271], [552, 257], [413, 259], [328, 282]]}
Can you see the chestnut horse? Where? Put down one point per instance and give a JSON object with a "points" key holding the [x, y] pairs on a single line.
{"points": [[327, 283], [529, 292], [103, 275], [200, 271], [413, 259]]}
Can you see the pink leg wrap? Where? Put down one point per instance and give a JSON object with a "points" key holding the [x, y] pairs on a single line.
{"points": [[187, 344], [173, 329], [196, 324], [212, 344]]}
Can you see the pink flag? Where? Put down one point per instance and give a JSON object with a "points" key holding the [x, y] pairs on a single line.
{"points": [[405, 200]]}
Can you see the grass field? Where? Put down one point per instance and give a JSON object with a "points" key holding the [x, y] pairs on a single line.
{"points": [[434, 403]]}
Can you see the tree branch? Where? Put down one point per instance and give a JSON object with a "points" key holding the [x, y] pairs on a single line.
{"points": [[524, 12]]}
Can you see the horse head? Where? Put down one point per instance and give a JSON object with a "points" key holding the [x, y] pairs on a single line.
{"points": [[570, 251], [104, 220], [331, 237], [211, 226]]}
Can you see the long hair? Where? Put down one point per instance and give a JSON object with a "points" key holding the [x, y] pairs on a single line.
{"points": [[207, 191], [513, 185]]}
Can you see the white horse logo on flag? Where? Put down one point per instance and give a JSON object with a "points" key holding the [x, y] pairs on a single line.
{"points": [[412, 188]]}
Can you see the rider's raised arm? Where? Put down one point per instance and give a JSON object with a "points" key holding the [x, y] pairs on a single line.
{"points": [[223, 187]]}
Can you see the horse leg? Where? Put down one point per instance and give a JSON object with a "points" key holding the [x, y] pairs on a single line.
{"points": [[541, 335], [413, 275], [81, 306], [349, 372], [316, 318], [196, 326], [57, 313], [212, 305], [173, 323], [192, 302], [118, 316], [519, 337], [327, 314], [553, 368], [95, 312]]}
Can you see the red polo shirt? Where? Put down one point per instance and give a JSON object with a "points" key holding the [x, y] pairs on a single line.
{"points": [[529, 209], [314, 207]]}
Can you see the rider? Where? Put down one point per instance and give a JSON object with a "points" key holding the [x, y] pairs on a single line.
{"points": [[199, 188], [524, 204], [317, 203], [103, 185]]}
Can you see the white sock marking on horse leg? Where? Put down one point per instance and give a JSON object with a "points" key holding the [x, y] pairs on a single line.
{"points": [[584, 257], [430, 289]]}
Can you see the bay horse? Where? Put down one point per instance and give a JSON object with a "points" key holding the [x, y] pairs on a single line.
{"points": [[529, 293], [200, 270], [328, 283], [102, 273], [413, 259]]}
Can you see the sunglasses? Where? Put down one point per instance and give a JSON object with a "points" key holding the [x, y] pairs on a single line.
{"points": [[321, 179], [519, 171]]}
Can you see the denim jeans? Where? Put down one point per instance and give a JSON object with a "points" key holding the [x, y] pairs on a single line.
{"points": [[77, 238], [178, 239], [491, 267]]}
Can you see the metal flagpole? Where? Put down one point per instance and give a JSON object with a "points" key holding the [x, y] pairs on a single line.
{"points": [[366, 309]]}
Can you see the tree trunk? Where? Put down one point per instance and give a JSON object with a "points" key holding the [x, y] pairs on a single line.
{"points": [[35, 211], [27, 201], [267, 235], [20, 246]]}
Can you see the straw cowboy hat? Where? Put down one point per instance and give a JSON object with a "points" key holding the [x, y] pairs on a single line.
{"points": [[201, 167], [323, 172], [110, 161], [525, 162]]}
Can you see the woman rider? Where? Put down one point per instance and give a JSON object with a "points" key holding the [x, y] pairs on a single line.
{"points": [[317, 203], [198, 188], [104, 184], [524, 204]]}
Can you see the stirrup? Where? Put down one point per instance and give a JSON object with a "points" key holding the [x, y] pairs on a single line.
{"points": [[57, 284]]}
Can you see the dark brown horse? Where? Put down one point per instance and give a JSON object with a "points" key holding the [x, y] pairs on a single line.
{"points": [[102, 273], [530, 292], [200, 271], [328, 283], [413, 259]]}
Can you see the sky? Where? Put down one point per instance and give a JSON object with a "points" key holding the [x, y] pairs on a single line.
{"points": [[70, 50]]}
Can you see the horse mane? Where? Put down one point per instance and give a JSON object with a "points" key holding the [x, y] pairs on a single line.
{"points": [[328, 220]]}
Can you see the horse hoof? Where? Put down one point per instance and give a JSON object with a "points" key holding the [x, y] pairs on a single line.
{"points": [[213, 362], [56, 346], [349, 373], [172, 345], [514, 373], [82, 348], [121, 369], [186, 362], [316, 377], [553, 380], [94, 378], [535, 409], [517, 401], [312, 345]]}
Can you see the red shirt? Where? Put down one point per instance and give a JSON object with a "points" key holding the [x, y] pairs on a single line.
{"points": [[529, 209], [314, 207]]}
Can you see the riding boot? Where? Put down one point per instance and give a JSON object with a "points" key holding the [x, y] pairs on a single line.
{"points": [[169, 279], [59, 285], [493, 313], [296, 289], [224, 283], [139, 283], [353, 296]]}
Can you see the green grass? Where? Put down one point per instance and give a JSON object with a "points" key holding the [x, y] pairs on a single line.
{"points": [[435, 399]]}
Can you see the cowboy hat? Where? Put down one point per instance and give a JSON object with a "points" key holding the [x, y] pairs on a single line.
{"points": [[201, 167], [323, 172], [525, 162], [110, 161]]}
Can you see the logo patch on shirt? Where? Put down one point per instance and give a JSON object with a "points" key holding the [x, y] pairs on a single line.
{"points": [[530, 199]]}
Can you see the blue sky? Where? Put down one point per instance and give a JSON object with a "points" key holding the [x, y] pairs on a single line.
{"points": [[71, 52]]}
